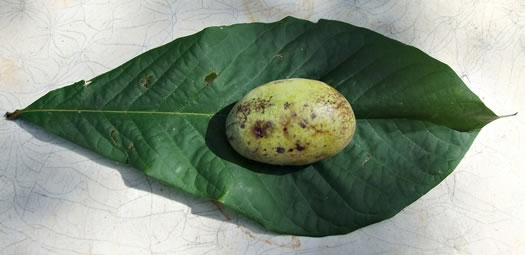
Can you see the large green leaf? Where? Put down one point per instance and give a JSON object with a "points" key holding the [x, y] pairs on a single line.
{"points": [[164, 112]]}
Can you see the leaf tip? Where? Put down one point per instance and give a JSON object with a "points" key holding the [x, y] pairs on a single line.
{"points": [[497, 117], [508, 115]]}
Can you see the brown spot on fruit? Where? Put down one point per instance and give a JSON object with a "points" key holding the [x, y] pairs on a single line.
{"points": [[242, 125], [285, 127], [244, 111], [290, 150], [318, 131], [286, 105], [242, 108], [303, 123], [280, 150], [262, 128], [313, 115], [299, 147], [261, 104], [256, 104], [258, 132]]}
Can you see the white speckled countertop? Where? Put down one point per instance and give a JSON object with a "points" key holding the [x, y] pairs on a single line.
{"points": [[56, 198]]}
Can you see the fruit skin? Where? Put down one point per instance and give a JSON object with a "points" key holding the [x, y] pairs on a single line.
{"points": [[291, 122]]}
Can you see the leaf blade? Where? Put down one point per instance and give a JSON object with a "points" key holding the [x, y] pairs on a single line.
{"points": [[158, 113]]}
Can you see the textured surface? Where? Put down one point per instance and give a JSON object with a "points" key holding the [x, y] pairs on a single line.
{"points": [[290, 122], [34, 188]]}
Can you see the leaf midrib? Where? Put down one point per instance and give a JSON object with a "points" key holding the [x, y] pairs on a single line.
{"points": [[196, 114], [115, 111]]}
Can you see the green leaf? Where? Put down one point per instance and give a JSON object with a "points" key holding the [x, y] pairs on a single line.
{"points": [[163, 112]]}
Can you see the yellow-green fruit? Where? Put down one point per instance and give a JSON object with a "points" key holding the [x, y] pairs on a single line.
{"points": [[291, 122]]}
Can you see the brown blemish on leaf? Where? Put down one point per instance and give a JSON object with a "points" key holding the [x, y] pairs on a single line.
{"points": [[132, 147], [144, 82], [242, 125], [280, 56], [112, 137], [368, 157], [261, 128], [280, 150], [210, 78]]}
